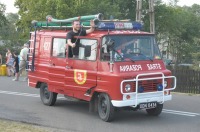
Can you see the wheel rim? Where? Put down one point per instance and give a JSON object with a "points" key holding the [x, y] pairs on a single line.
{"points": [[46, 93], [104, 106]]}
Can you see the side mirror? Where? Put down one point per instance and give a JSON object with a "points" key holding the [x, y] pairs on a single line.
{"points": [[110, 43]]}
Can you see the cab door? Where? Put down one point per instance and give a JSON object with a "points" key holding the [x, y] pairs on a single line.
{"points": [[81, 71], [57, 65]]}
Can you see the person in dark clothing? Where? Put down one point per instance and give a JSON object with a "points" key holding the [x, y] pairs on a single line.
{"points": [[74, 43], [16, 66]]}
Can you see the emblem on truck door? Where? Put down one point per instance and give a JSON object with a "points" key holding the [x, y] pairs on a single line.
{"points": [[80, 76]]}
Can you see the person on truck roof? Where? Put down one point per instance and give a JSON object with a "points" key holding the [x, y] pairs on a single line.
{"points": [[77, 31]]}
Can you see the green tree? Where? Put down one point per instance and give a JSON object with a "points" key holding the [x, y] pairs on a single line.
{"points": [[10, 35], [178, 27], [2, 15], [60, 9]]}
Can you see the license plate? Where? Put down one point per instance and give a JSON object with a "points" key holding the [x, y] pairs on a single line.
{"points": [[148, 105]]}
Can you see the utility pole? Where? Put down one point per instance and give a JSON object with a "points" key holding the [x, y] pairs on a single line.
{"points": [[151, 16], [138, 11]]}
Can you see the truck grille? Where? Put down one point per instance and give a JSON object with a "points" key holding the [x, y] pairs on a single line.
{"points": [[149, 85]]}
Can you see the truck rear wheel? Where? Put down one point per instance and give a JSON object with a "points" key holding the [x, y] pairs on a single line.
{"points": [[105, 108], [155, 111], [47, 97]]}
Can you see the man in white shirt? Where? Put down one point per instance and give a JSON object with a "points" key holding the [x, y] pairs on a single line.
{"points": [[23, 59]]}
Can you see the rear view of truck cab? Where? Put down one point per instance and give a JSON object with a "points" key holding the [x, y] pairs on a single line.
{"points": [[118, 67]]}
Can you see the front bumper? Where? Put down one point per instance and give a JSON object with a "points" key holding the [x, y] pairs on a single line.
{"points": [[135, 98], [141, 98]]}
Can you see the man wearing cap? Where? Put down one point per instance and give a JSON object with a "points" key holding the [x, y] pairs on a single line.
{"points": [[23, 59]]}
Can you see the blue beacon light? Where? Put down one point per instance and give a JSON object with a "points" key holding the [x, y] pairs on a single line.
{"points": [[140, 89], [159, 87], [119, 25]]}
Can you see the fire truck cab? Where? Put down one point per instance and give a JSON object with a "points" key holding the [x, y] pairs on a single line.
{"points": [[118, 66]]}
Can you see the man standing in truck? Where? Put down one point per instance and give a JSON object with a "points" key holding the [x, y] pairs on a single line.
{"points": [[77, 31]]}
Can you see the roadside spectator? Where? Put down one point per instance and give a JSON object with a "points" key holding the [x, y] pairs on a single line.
{"points": [[0, 59], [9, 63], [23, 59], [16, 66]]}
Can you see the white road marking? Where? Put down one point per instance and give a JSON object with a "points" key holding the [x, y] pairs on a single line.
{"points": [[18, 93], [63, 98], [180, 113], [24, 94]]}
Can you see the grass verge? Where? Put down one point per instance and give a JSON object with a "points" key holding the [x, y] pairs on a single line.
{"points": [[11, 126]]}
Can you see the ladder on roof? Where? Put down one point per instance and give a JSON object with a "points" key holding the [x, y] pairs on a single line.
{"points": [[31, 53], [100, 24], [67, 23]]}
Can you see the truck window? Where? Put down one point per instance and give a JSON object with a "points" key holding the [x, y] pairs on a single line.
{"points": [[87, 50], [128, 47], [59, 47], [105, 52]]}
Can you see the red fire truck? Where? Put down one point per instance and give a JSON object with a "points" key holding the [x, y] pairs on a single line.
{"points": [[118, 66]]}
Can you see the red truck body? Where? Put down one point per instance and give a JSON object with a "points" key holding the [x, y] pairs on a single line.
{"points": [[101, 74]]}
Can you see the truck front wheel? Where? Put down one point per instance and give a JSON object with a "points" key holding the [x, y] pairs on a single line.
{"points": [[47, 97], [155, 111], [105, 108]]}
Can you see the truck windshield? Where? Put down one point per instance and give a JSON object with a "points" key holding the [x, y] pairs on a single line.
{"points": [[126, 48]]}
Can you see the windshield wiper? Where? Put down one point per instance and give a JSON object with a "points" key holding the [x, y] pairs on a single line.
{"points": [[130, 59], [147, 57]]}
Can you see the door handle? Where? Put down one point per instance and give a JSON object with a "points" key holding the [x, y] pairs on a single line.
{"points": [[69, 67], [51, 63]]}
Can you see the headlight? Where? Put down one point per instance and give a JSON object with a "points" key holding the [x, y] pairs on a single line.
{"points": [[165, 84], [127, 87]]}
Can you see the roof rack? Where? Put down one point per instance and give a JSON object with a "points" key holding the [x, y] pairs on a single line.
{"points": [[100, 24]]}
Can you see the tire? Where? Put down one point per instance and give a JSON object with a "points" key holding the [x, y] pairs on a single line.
{"points": [[105, 108], [155, 111], [47, 97]]}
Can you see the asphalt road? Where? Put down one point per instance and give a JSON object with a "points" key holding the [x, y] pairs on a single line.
{"points": [[19, 102]]}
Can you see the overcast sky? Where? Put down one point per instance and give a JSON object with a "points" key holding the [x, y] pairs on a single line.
{"points": [[10, 4], [186, 2]]}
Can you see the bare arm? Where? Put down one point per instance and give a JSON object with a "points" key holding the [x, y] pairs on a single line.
{"points": [[127, 43], [91, 28], [8, 57]]}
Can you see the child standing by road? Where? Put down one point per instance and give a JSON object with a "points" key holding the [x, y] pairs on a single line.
{"points": [[16, 66], [9, 62]]}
